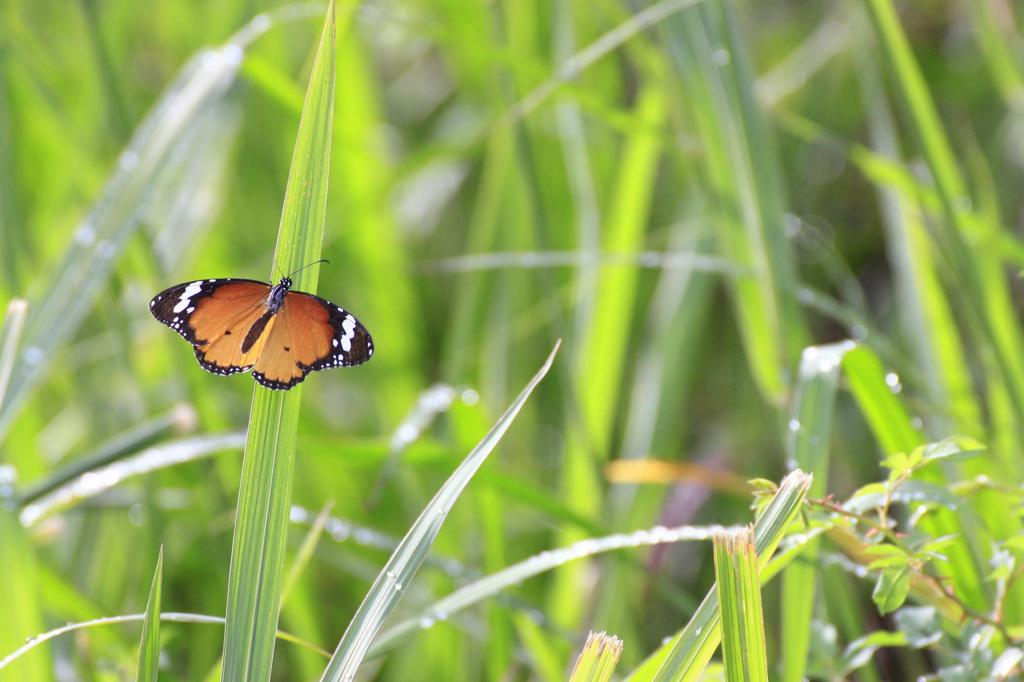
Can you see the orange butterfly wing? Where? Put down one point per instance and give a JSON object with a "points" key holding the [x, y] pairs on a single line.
{"points": [[309, 334], [217, 318], [233, 328]]}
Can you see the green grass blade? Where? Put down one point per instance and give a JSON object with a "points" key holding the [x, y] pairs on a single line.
{"points": [[895, 432], [181, 418], [96, 480], [306, 549], [597, 661], [685, 657], [10, 333], [406, 560], [167, 617], [994, 39], [926, 313], [885, 414], [604, 341], [739, 606], [264, 497], [967, 238], [87, 262], [149, 650], [19, 587], [373, 238], [810, 430], [741, 175]]}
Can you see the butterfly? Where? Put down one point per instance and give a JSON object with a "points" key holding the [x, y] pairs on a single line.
{"points": [[282, 335]]}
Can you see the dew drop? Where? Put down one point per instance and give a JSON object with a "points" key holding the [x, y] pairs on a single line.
{"points": [[233, 55], [794, 425], [34, 355], [129, 159], [85, 234]]}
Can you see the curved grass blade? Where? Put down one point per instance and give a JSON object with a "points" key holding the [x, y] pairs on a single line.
{"points": [[181, 418], [149, 651], [167, 617], [95, 481], [264, 497], [739, 606], [383, 596], [488, 586]]}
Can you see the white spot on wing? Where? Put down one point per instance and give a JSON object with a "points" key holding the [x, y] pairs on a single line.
{"points": [[349, 326], [186, 296]]}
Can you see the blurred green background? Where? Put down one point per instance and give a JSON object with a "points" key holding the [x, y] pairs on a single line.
{"points": [[689, 194]]}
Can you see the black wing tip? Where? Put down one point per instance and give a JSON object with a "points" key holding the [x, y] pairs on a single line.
{"points": [[273, 385], [350, 358], [176, 317]]}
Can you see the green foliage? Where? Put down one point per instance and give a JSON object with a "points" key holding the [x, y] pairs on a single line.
{"points": [[771, 236], [149, 649]]}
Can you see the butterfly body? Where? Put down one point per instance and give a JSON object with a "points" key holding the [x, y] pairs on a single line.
{"points": [[237, 325]]}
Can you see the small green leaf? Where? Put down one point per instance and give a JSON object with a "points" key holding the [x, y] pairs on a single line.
{"points": [[884, 551], [891, 589], [938, 544], [921, 492], [149, 650], [868, 497], [898, 463], [956, 448]]}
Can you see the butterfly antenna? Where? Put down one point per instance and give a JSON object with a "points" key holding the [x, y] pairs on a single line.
{"points": [[316, 262]]}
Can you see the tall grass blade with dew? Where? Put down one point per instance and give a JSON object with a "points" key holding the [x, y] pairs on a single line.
{"points": [[807, 447], [406, 560], [261, 521]]}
